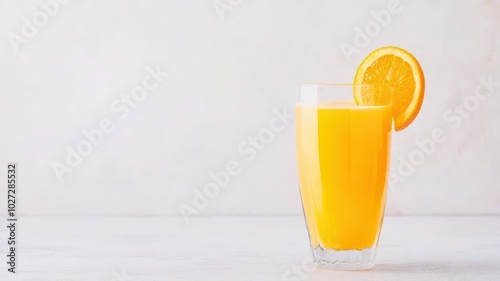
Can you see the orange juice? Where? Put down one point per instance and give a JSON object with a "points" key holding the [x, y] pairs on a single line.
{"points": [[343, 156]]}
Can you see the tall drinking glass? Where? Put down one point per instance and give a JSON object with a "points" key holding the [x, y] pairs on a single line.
{"points": [[343, 158]]}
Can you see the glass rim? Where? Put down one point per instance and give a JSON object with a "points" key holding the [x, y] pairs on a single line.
{"points": [[316, 93]]}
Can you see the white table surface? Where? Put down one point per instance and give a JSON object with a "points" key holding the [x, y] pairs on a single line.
{"points": [[243, 248]]}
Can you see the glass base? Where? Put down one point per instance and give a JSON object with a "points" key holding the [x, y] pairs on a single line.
{"points": [[344, 259]]}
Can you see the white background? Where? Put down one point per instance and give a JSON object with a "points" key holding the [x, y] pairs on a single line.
{"points": [[227, 76]]}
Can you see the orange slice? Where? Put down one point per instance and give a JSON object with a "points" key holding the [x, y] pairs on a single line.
{"points": [[396, 74]]}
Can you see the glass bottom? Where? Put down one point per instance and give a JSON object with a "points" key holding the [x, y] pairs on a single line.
{"points": [[344, 259]]}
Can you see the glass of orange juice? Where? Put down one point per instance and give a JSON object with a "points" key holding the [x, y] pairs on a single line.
{"points": [[343, 157]]}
